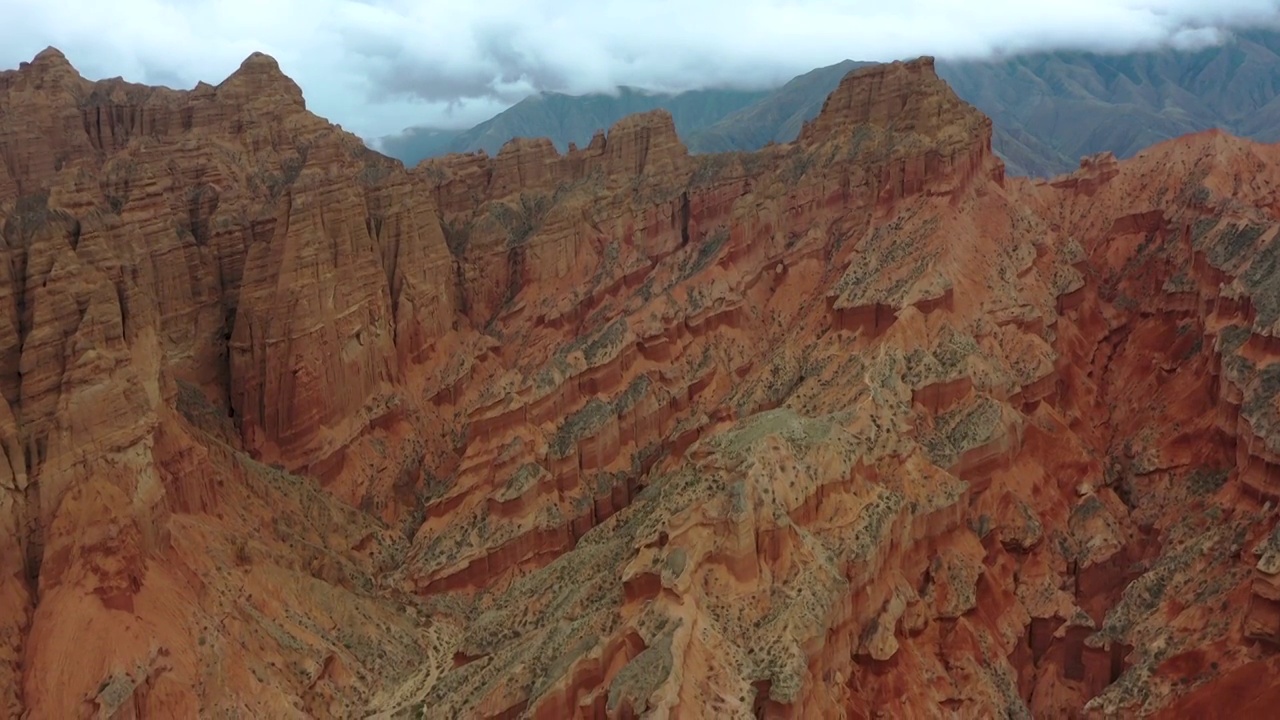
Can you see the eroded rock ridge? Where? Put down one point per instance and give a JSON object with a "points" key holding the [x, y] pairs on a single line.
{"points": [[845, 427]]}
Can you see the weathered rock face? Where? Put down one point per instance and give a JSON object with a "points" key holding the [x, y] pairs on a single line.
{"points": [[220, 248], [846, 427]]}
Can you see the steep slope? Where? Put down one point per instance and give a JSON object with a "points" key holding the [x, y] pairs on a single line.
{"points": [[187, 275], [852, 425]]}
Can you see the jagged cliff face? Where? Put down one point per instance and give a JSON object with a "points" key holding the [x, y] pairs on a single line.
{"points": [[849, 426]]}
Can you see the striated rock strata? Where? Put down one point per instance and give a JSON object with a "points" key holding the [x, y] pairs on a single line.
{"points": [[849, 427]]}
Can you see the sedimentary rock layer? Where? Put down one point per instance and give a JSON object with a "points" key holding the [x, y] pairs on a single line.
{"points": [[848, 426]]}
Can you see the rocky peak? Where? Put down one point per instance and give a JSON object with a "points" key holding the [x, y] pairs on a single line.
{"points": [[260, 76], [524, 163], [642, 143], [49, 68], [50, 57], [907, 123], [905, 97]]}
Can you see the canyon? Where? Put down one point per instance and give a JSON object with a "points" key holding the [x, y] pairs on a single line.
{"points": [[853, 426]]}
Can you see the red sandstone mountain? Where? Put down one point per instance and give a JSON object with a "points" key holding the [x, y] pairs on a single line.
{"points": [[852, 426]]}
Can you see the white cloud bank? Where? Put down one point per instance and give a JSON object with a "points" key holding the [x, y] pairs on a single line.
{"points": [[377, 66]]}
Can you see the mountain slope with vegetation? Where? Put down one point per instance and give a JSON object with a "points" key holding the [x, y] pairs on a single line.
{"points": [[570, 119], [1049, 109]]}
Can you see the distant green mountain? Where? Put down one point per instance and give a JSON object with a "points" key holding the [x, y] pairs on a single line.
{"points": [[414, 144], [777, 117], [1049, 109], [569, 119]]}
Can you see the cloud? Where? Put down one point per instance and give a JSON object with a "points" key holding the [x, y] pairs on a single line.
{"points": [[377, 66]]}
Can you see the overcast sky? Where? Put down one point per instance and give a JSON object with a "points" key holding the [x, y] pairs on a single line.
{"points": [[378, 66]]}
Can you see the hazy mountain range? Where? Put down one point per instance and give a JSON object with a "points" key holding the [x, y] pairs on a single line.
{"points": [[1049, 109]]}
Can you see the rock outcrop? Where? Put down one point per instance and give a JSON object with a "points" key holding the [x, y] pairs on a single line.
{"points": [[846, 427]]}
